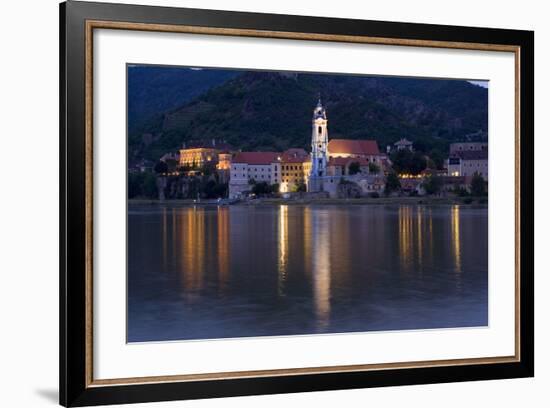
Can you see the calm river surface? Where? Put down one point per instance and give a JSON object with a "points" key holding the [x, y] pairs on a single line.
{"points": [[237, 271]]}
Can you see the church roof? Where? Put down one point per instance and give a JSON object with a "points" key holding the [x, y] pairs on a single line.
{"points": [[349, 146], [345, 161], [256, 158]]}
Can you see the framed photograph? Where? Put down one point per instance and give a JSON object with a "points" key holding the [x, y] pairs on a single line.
{"points": [[255, 203]]}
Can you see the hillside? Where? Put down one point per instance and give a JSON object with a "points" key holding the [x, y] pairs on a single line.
{"points": [[272, 111], [152, 90]]}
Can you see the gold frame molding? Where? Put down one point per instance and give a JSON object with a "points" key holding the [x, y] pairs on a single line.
{"points": [[117, 25]]}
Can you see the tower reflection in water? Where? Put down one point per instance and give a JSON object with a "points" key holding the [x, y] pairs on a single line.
{"points": [[283, 249], [455, 243], [310, 248], [321, 267]]}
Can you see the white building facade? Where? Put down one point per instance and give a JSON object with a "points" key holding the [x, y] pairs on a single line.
{"points": [[253, 166]]}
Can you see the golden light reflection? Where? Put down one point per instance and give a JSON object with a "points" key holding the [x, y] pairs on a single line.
{"points": [[283, 249], [419, 237], [405, 237], [307, 239], [193, 253], [223, 246], [321, 268], [455, 236]]}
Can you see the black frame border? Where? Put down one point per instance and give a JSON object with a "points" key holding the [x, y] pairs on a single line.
{"points": [[72, 124]]}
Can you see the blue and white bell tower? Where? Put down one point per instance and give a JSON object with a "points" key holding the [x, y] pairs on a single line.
{"points": [[319, 147], [319, 141]]}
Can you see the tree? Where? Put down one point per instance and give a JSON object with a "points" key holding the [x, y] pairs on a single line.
{"points": [[213, 189], [433, 184], [261, 188], [418, 163], [302, 188], [374, 168], [149, 186], [348, 189], [354, 168], [392, 183], [171, 164], [135, 180], [406, 162], [437, 158], [460, 191], [161, 167], [477, 185]]}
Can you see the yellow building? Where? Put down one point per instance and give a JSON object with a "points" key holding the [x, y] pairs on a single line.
{"points": [[224, 161], [295, 167], [200, 154], [197, 157]]}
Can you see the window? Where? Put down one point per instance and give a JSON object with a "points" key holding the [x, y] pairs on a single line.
{"points": [[320, 130]]}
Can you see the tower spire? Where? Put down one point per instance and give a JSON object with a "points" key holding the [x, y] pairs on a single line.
{"points": [[319, 147]]}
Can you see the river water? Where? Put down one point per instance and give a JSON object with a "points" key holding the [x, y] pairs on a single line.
{"points": [[239, 271]]}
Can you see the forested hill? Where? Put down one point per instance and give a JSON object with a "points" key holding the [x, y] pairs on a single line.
{"points": [[152, 90], [272, 111]]}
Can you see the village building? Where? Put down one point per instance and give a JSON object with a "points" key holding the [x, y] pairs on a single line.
{"points": [[224, 160], [366, 149], [202, 153], [403, 144], [295, 167], [247, 167], [340, 166], [466, 163]]}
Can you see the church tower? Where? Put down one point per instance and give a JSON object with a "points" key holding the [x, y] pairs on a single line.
{"points": [[319, 142]]}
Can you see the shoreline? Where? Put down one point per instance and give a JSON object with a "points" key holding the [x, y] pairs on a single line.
{"points": [[429, 201]]}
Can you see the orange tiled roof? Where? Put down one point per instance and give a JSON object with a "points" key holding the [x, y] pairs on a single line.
{"points": [[349, 146], [344, 161], [257, 158]]}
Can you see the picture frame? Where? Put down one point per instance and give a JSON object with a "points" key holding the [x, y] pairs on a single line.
{"points": [[78, 20]]}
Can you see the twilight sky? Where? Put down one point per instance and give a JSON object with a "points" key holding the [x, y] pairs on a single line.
{"points": [[483, 84]]}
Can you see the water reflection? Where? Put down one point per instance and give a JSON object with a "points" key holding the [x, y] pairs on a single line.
{"points": [[191, 227], [419, 238], [308, 239], [321, 267], [405, 237], [455, 239], [223, 246], [304, 269], [283, 248]]}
